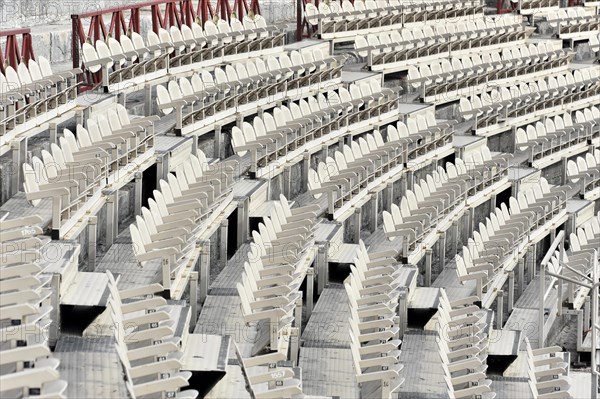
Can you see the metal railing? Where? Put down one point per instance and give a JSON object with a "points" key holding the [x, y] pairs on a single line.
{"points": [[590, 282], [14, 52], [164, 14]]}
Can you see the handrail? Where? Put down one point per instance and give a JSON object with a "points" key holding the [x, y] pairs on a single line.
{"points": [[123, 8], [558, 241], [164, 14], [14, 52], [14, 32], [593, 286]]}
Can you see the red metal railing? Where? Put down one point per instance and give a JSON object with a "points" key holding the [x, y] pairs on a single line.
{"points": [[500, 9], [13, 53], [164, 14], [303, 28], [241, 8]]}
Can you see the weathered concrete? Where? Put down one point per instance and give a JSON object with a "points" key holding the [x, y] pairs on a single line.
{"points": [[554, 173], [296, 177], [583, 52], [126, 209], [503, 142], [206, 144], [25, 13], [275, 186]]}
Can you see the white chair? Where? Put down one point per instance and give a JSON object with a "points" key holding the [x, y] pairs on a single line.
{"points": [[139, 344], [547, 372], [373, 332], [27, 363], [265, 380]]}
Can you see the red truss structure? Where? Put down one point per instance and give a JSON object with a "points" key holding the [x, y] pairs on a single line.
{"points": [[165, 13], [15, 52], [303, 28]]}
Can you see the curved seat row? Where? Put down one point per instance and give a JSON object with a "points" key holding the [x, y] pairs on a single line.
{"points": [[27, 368], [148, 349], [577, 262], [406, 47], [533, 98], [178, 214], [548, 372], [74, 172], [277, 264], [345, 18], [573, 22], [68, 182], [585, 240], [422, 209], [506, 232], [582, 245], [291, 129], [463, 347], [368, 161], [265, 379], [530, 7], [33, 94], [373, 289], [469, 71], [585, 171], [559, 133], [244, 86], [131, 60]]}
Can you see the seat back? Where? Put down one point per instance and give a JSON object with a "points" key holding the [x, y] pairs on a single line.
{"points": [[103, 51], [163, 97], [176, 36], [224, 28], [23, 73], [89, 54]]}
